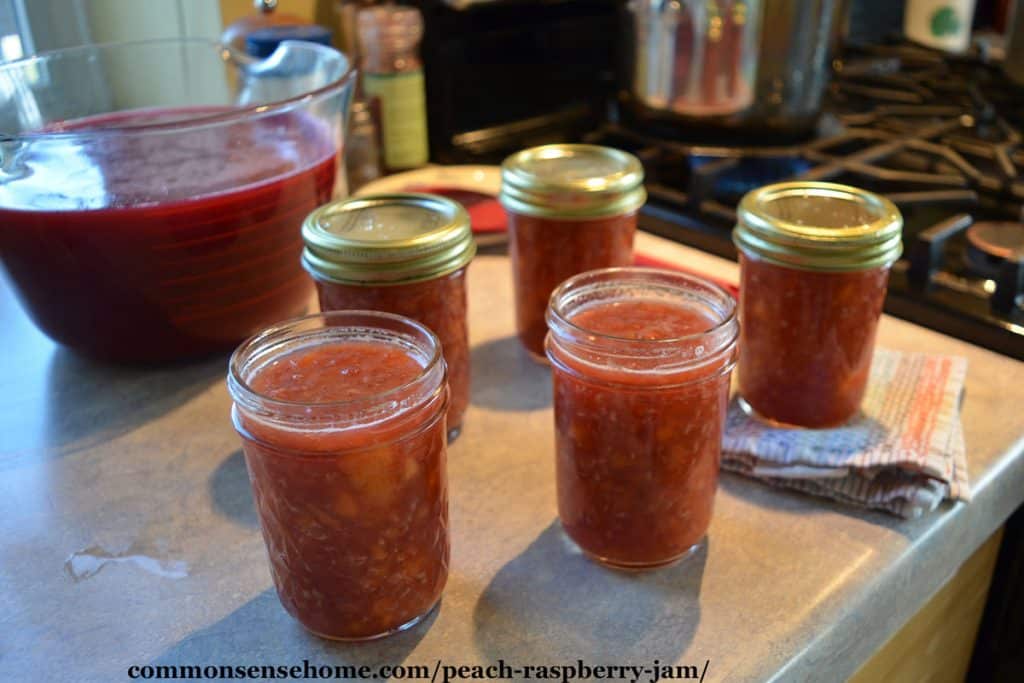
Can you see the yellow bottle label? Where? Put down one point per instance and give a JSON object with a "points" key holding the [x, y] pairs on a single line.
{"points": [[403, 109]]}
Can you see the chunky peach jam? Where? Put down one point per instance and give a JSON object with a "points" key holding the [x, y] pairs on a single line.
{"points": [[405, 254], [571, 208], [440, 304], [806, 340], [814, 264], [342, 424], [641, 363], [546, 251]]}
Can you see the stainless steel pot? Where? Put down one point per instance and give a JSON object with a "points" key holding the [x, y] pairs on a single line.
{"points": [[753, 64]]}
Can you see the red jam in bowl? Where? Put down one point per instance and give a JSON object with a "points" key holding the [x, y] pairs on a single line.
{"points": [[350, 487], [146, 247]]}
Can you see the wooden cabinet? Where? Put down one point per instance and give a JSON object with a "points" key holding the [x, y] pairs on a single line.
{"points": [[935, 645]]}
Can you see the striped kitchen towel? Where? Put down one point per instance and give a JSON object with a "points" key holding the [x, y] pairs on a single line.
{"points": [[904, 453]]}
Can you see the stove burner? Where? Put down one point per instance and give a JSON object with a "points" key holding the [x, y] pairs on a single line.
{"points": [[990, 244], [733, 178], [997, 240]]}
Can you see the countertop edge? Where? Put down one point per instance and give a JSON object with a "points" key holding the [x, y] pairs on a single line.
{"points": [[896, 595]]}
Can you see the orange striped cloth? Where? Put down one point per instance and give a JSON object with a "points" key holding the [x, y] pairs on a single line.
{"points": [[904, 453]]}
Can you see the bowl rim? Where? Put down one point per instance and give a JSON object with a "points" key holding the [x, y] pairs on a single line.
{"points": [[227, 53]]}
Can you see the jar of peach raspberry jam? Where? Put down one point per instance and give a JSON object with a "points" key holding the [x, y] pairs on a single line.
{"points": [[570, 208], [814, 267], [641, 361], [341, 416], [400, 253]]}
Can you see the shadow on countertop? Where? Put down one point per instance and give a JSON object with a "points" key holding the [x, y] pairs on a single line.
{"points": [[261, 632], [506, 378], [551, 604], [90, 402], [231, 492]]}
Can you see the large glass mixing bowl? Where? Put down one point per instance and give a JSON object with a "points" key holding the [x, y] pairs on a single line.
{"points": [[152, 193]]}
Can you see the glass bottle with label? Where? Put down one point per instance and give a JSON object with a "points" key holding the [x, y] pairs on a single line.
{"points": [[393, 76]]}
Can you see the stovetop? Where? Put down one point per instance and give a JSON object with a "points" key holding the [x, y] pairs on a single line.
{"points": [[939, 136]]}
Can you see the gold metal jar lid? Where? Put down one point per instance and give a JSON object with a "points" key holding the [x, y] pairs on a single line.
{"points": [[387, 239], [819, 226], [572, 181]]}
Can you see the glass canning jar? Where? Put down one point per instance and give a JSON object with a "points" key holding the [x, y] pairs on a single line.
{"points": [[641, 361], [571, 208], [401, 253], [341, 416], [814, 267]]}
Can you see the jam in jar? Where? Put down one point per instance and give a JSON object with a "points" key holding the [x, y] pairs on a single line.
{"points": [[342, 419], [400, 253], [641, 361], [571, 208], [814, 266]]}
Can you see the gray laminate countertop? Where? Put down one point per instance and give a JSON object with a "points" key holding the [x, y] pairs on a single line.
{"points": [[129, 536]]}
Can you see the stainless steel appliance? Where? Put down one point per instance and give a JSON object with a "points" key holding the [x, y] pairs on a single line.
{"points": [[752, 65], [696, 57]]}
